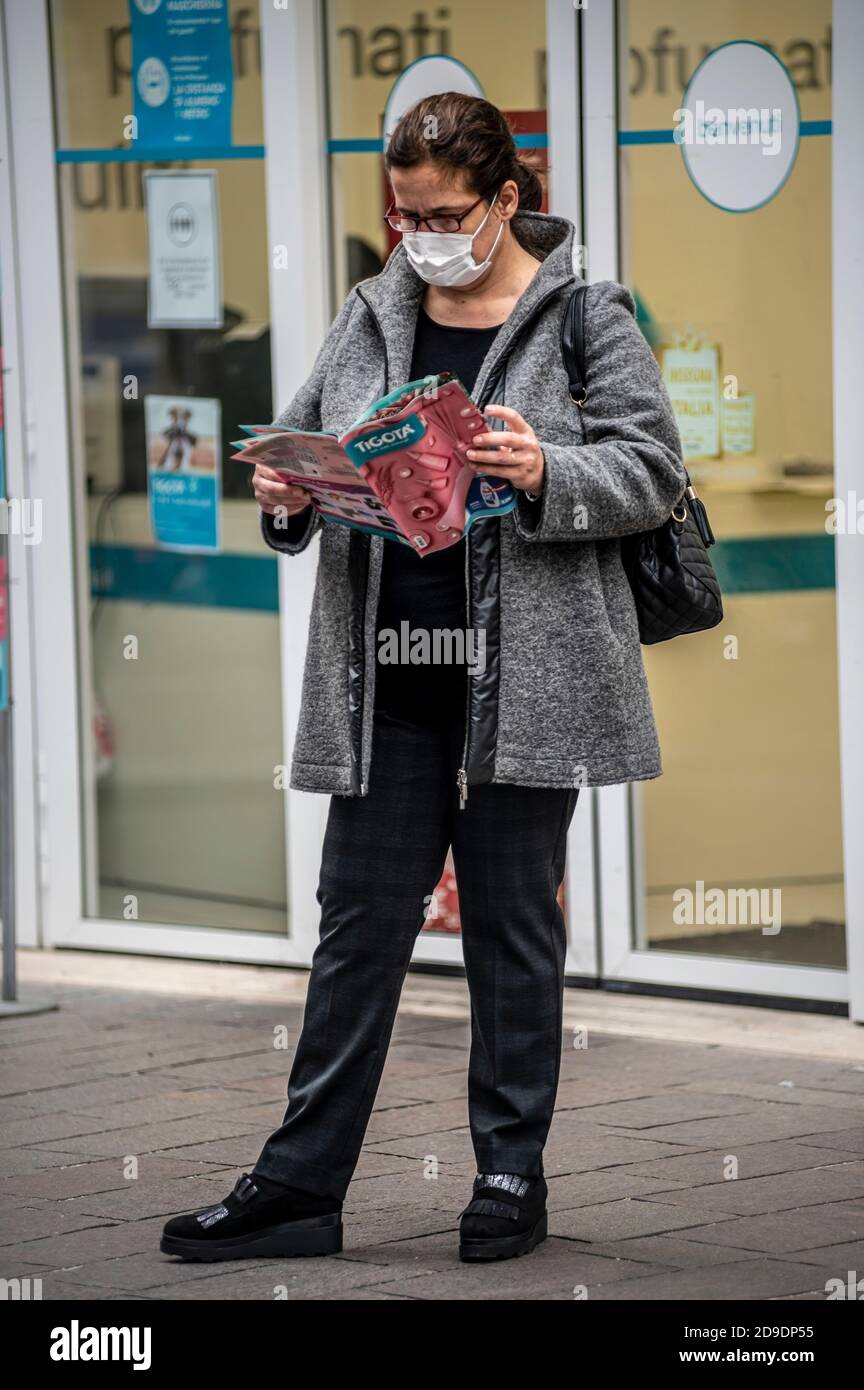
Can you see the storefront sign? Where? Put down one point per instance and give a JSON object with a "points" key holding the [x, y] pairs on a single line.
{"points": [[185, 287], [738, 126], [692, 377], [183, 471], [425, 78], [182, 75]]}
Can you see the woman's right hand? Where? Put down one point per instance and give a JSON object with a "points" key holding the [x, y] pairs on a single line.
{"points": [[272, 495]]}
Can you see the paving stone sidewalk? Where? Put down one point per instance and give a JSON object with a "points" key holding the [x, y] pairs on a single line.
{"points": [[648, 1137]]}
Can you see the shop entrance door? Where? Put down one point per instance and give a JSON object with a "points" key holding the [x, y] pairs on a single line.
{"points": [[170, 682], [728, 872], [524, 58]]}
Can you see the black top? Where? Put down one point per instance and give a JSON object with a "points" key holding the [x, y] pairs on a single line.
{"points": [[429, 592]]}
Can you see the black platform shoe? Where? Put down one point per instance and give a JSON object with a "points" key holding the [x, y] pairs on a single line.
{"points": [[259, 1217], [506, 1216]]}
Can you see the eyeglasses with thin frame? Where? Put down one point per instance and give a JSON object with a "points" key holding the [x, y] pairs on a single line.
{"points": [[451, 222]]}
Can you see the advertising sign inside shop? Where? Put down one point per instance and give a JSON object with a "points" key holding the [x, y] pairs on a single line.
{"points": [[182, 74], [183, 471], [185, 282]]}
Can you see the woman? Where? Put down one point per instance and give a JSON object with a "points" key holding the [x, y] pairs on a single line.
{"points": [[489, 761]]}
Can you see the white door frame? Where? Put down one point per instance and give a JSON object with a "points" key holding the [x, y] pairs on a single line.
{"points": [[43, 448], [620, 807], [289, 42], [22, 685], [848, 354], [565, 129]]}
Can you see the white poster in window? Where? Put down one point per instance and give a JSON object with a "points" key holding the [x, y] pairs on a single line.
{"points": [[185, 287], [692, 377], [739, 424]]}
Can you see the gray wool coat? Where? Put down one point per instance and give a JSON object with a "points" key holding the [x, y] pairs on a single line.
{"points": [[562, 700]]}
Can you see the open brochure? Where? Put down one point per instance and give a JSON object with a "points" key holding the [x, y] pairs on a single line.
{"points": [[400, 470]]}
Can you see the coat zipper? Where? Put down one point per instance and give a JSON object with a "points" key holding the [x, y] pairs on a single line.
{"points": [[359, 751], [462, 773]]}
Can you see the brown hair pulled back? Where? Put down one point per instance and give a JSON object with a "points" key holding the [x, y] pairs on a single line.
{"points": [[466, 135]]}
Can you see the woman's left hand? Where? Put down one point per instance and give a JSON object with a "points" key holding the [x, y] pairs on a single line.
{"points": [[513, 453]]}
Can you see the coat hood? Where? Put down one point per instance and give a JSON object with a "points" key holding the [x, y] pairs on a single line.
{"points": [[394, 294]]}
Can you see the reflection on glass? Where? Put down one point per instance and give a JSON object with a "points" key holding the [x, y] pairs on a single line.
{"points": [[179, 652], [742, 836]]}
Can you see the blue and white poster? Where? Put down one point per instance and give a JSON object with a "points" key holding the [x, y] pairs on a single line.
{"points": [[182, 74], [183, 471]]}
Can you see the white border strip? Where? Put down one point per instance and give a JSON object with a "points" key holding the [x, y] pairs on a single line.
{"points": [[47, 471], [563, 111], [620, 808], [563, 106], [22, 689], [847, 183], [296, 173], [726, 974], [600, 134], [600, 166]]}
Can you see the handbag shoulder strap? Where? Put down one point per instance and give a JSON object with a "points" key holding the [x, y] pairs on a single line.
{"points": [[573, 353], [573, 344]]}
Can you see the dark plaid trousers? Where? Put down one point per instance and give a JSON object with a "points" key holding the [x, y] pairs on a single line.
{"points": [[383, 855]]}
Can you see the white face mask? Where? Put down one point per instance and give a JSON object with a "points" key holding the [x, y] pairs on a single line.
{"points": [[447, 258]]}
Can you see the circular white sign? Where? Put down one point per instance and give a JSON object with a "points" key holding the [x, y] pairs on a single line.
{"points": [[154, 83], [426, 77], [739, 126], [148, 6]]}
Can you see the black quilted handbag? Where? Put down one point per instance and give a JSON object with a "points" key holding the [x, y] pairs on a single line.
{"points": [[672, 578]]}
